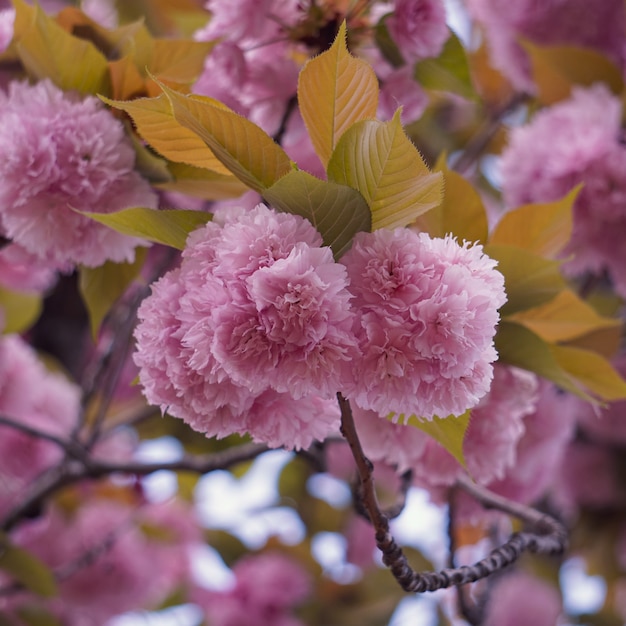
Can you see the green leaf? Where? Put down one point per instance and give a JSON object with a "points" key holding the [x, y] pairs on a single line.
{"points": [[206, 184], [529, 280], [48, 51], [556, 69], [563, 318], [20, 310], [148, 163], [169, 227], [156, 123], [541, 228], [461, 213], [100, 287], [335, 90], [387, 46], [26, 569], [243, 148], [592, 370], [521, 347], [337, 212], [448, 431], [449, 71], [380, 161]]}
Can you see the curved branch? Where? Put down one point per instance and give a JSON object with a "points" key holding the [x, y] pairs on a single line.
{"points": [[80, 469], [550, 537], [71, 448]]}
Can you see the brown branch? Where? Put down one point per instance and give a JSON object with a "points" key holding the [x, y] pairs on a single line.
{"points": [[550, 538], [71, 448], [75, 471]]}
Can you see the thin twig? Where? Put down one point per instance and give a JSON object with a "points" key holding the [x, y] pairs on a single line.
{"points": [[471, 612], [552, 540], [72, 472], [71, 448], [282, 128], [483, 136]]}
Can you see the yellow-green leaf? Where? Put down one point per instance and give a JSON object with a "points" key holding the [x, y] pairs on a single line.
{"points": [[179, 60], [449, 71], [202, 183], [592, 370], [338, 212], [100, 287], [335, 90], [148, 163], [243, 148], [156, 123], [519, 346], [382, 164], [169, 227], [20, 310], [556, 69], [448, 431], [461, 212], [529, 280], [26, 569], [541, 228], [126, 80], [48, 51], [563, 318]]}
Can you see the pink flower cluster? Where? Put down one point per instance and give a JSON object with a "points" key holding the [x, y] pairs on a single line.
{"points": [[427, 312], [576, 141], [110, 557], [251, 333], [59, 153], [519, 599], [495, 429], [268, 587], [418, 28], [257, 330], [515, 444], [596, 25], [36, 398]]}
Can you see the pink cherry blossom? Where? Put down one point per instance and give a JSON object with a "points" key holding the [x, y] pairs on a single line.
{"points": [[490, 444], [59, 153], [548, 431], [427, 311], [293, 332], [518, 599], [33, 397], [21, 270], [268, 586], [399, 88], [576, 141], [605, 424], [101, 11], [598, 25], [278, 419], [129, 568], [250, 334], [418, 27], [204, 397], [7, 18]]}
